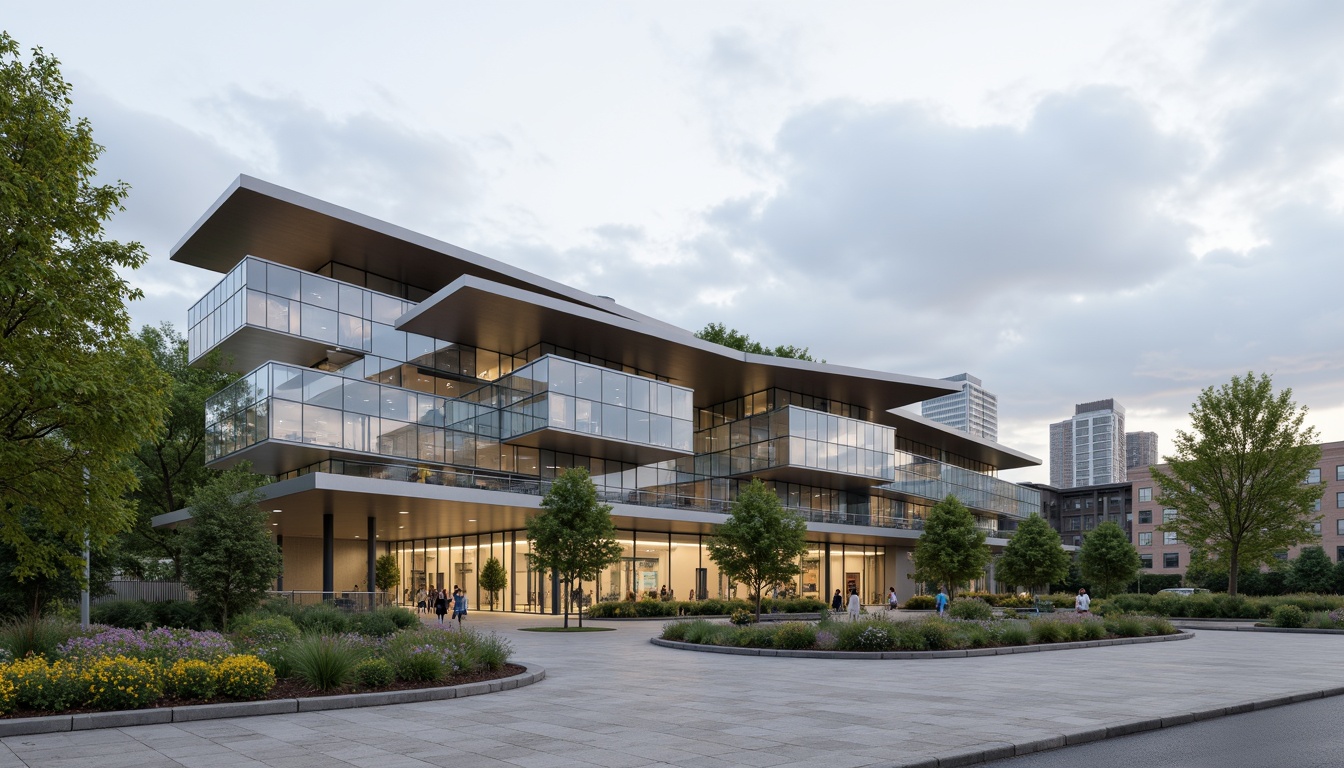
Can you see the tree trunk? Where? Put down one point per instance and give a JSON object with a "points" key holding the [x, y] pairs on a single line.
{"points": [[758, 604], [1234, 567]]}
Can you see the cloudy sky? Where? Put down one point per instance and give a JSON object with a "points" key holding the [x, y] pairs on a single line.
{"points": [[1072, 201]]}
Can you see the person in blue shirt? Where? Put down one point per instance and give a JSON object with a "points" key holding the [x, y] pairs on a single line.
{"points": [[941, 601], [459, 606]]}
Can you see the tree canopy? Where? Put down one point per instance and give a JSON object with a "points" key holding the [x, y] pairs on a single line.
{"points": [[1108, 561], [951, 551], [78, 391], [170, 465], [719, 334], [228, 557], [1034, 556], [1312, 571], [574, 535], [1238, 478], [760, 543], [386, 572], [493, 579]]}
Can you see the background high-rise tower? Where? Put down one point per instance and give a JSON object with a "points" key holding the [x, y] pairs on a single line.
{"points": [[973, 409], [1089, 449], [1141, 450]]}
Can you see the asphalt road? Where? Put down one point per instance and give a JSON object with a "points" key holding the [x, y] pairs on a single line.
{"points": [[1306, 735]]}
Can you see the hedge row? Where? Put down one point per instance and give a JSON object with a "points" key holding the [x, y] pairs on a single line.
{"points": [[1214, 606], [629, 609]]}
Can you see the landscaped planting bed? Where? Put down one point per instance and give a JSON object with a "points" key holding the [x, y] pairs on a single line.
{"points": [[63, 669], [932, 633]]}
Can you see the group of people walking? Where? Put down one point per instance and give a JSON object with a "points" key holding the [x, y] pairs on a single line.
{"points": [[440, 601]]}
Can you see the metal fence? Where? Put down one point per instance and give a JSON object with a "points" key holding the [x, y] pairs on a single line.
{"points": [[346, 601], [149, 591]]}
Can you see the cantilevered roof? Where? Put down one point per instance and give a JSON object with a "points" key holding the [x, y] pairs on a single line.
{"points": [[257, 218], [943, 437], [487, 314]]}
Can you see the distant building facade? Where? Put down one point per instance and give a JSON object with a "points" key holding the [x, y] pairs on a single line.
{"points": [[1140, 450], [1089, 449], [974, 409], [1075, 511]]}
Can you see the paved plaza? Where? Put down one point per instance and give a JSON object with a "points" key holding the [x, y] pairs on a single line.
{"points": [[613, 699]]}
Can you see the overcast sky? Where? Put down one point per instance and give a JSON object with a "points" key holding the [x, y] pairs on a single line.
{"points": [[1072, 201]]}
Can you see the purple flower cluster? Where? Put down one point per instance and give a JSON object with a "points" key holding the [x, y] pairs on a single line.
{"points": [[161, 645], [1337, 616]]}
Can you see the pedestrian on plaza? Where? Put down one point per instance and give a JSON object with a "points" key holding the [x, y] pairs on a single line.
{"points": [[1082, 602], [441, 604], [941, 601], [891, 599], [837, 602], [460, 606], [420, 605], [854, 605]]}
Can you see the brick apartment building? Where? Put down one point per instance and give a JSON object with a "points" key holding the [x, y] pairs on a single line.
{"points": [[1162, 553]]}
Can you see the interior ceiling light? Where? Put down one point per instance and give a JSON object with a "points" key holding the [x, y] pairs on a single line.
{"points": [[275, 511], [403, 512]]}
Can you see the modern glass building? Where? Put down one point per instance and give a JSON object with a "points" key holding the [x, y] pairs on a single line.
{"points": [[414, 398]]}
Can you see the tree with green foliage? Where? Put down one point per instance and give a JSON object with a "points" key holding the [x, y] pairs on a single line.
{"points": [[717, 333], [171, 465], [494, 579], [951, 551], [761, 543], [1312, 571], [386, 572], [39, 593], [79, 392], [1238, 478], [1108, 561], [1034, 556], [574, 535], [229, 557]]}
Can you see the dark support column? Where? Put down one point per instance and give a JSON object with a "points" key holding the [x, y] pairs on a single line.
{"points": [[328, 556], [280, 545], [826, 594], [373, 557], [555, 592]]}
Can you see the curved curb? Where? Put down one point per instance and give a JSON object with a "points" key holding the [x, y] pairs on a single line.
{"points": [[708, 616], [1280, 630], [25, 726], [961, 654]]}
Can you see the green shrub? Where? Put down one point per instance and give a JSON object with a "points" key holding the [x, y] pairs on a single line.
{"points": [[976, 636], [418, 665], [323, 661], [1126, 625], [374, 673], [750, 636], [491, 652], [1091, 630], [972, 609], [711, 607], [874, 635], [267, 636], [404, 618], [324, 619], [650, 608], [921, 603], [374, 624], [181, 614], [1012, 632], [742, 617], [938, 634], [126, 614], [1288, 616], [794, 636], [675, 630], [1046, 631], [1159, 626], [703, 632]]}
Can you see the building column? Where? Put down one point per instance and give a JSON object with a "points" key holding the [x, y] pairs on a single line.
{"points": [[328, 556], [826, 590], [373, 558], [280, 545]]}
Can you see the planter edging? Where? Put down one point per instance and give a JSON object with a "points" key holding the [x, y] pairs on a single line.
{"points": [[1006, 650]]}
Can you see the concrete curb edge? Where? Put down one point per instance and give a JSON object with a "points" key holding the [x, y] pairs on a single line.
{"points": [[28, 726], [1182, 634]]}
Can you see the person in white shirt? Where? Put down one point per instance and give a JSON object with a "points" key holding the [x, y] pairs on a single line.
{"points": [[891, 599], [1082, 601], [854, 605]]}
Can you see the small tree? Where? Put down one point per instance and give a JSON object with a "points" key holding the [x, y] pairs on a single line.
{"points": [[1108, 561], [951, 551], [574, 534], [229, 557], [494, 579], [761, 542], [1237, 479], [1034, 556], [386, 572], [1312, 571]]}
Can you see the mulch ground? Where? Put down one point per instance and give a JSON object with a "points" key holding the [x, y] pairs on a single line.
{"points": [[293, 688]]}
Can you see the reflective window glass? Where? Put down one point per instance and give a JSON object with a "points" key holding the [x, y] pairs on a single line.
{"points": [[256, 308], [286, 420], [562, 376], [661, 431], [396, 403], [388, 342], [322, 389], [613, 388], [561, 410], [352, 332], [318, 323], [351, 300], [588, 382], [386, 309], [638, 425], [321, 426], [282, 282], [318, 290], [613, 421], [361, 397]]}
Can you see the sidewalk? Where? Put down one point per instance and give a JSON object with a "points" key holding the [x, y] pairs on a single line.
{"points": [[613, 699]]}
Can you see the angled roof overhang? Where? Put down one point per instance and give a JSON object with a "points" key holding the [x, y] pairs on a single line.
{"points": [[940, 436], [475, 311]]}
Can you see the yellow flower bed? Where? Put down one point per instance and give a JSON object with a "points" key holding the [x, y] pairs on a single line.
{"points": [[244, 677], [190, 679], [7, 695], [120, 682]]}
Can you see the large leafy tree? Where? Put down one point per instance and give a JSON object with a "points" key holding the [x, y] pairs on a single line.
{"points": [[1108, 560], [171, 464], [761, 543], [228, 555], [78, 392], [951, 551], [735, 339], [574, 535], [36, 594], [1034, 556], [493, 579], [1237, 478]]}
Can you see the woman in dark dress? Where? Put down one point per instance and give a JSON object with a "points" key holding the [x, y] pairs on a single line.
{"points": [[837, 602], [441, 604]]}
